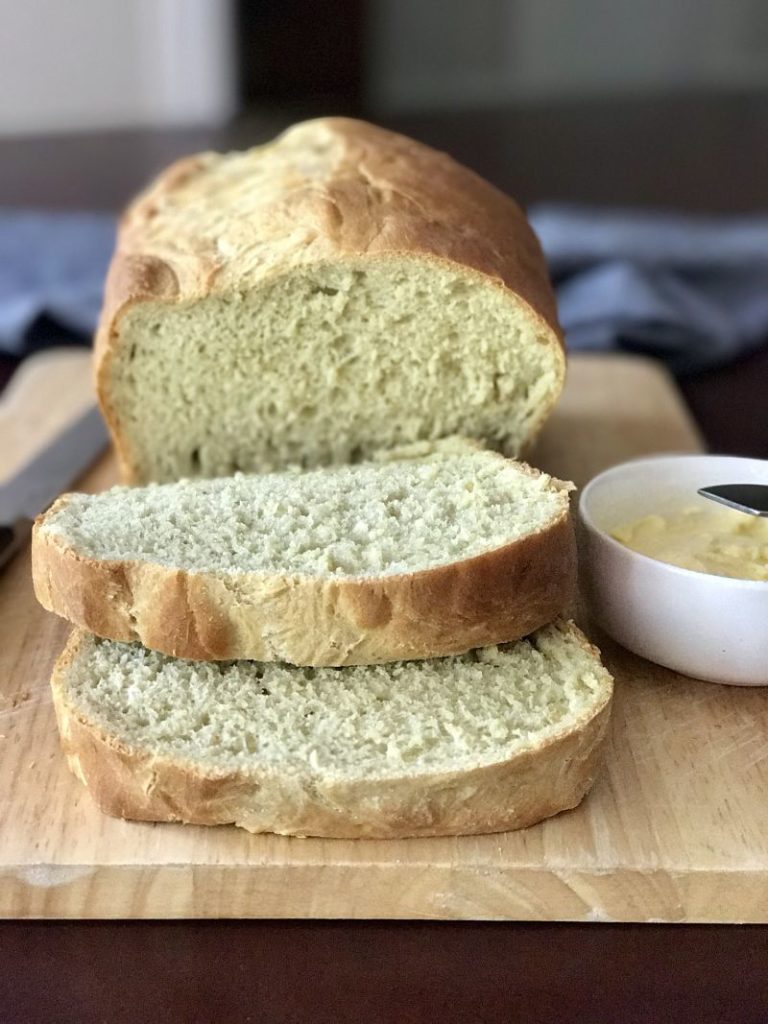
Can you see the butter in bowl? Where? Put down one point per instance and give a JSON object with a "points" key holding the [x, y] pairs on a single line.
{"points": [[671, 575]]}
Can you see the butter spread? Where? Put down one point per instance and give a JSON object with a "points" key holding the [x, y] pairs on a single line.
{"points": [[718, 541]]}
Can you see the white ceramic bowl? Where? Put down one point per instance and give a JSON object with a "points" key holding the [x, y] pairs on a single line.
{"points": [[708, 627]]}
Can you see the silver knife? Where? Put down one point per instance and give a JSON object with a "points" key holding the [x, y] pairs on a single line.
{"points": [[41, 480], [749, 498]]}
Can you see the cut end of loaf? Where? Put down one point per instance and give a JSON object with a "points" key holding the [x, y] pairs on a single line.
{"points": [[326, 365]]}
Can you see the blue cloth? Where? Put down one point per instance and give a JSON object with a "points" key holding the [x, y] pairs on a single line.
{"points": [[52, 269], [692, 291]]}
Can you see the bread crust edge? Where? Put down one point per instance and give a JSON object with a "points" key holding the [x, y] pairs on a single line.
{"points": [[493, 597]]}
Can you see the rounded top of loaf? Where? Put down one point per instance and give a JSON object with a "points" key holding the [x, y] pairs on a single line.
{"points": [[323, 190]]}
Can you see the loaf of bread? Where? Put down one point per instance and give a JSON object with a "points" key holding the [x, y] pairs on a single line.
{"points": [[493, 740], [445, 548], [339, 290], [372, 634]]}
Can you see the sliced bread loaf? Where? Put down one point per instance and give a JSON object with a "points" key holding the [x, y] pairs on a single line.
{"points": [[400, 558], [494, 740], [339, 290]]}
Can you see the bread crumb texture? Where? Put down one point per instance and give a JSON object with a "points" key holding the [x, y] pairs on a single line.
{"points": [[371, 519], [388, 721], [308, 368]]}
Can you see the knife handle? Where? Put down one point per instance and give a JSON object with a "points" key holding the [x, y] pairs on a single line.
{"points": [[13, 537]]}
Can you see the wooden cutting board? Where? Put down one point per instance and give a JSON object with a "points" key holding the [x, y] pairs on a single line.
{"points": [[676, 828]]}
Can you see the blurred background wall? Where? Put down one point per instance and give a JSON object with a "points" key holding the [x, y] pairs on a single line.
{"points": [[74, 65], [457, 53]]}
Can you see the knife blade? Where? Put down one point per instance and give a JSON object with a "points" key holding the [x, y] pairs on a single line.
{"points": [[30, 491], [749, 498]]}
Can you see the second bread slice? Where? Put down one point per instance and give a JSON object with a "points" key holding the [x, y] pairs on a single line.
{"points": [[493, 740], [406, 558]]}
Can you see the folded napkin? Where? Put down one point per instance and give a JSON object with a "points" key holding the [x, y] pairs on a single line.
{"points": [[690, 290]]}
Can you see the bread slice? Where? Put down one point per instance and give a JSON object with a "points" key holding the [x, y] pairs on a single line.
{"points": [[493, 740], [423, 556], [339, 290]]}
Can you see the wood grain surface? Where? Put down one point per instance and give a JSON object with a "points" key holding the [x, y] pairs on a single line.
{"points": [[676, 828], [47, 392]]}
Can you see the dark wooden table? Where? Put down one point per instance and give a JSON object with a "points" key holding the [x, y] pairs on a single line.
{"points": [[694, 153]]}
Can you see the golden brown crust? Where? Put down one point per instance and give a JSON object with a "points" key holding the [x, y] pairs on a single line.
{"points": [[131, 278], [134, 783], [362, 193], [492, 598]]}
